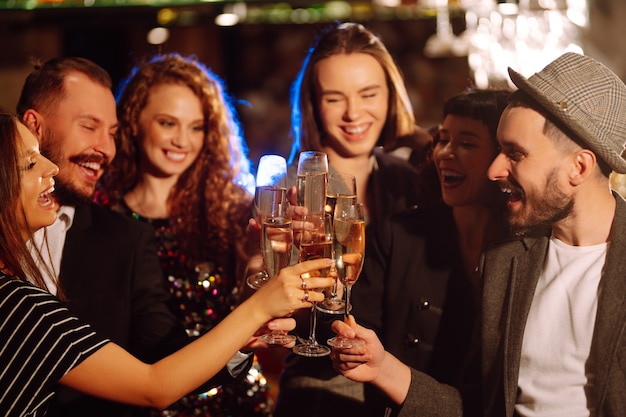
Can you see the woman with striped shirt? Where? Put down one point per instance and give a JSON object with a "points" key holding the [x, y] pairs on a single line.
{"points": [[44, 345]]}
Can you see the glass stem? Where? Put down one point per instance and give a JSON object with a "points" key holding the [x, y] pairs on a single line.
{"points": [[347, 307], [333, 290], [313, 325]]}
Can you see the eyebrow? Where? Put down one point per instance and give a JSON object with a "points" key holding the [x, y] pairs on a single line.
{"points": [[89, 117], [510, 144], [362, 90], [464, 133]]}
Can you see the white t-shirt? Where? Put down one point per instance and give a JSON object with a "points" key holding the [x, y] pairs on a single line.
{"points": [[555, 378]]}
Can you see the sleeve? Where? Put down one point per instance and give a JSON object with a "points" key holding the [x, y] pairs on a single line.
{"points": [[427, 397], [42, 341], [239, 364]]}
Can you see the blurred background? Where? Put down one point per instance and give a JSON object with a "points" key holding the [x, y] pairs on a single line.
{"points": [[441, 46]]}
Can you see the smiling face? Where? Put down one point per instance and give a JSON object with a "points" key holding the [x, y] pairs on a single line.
{"points": [[530, 168], [462, 156], [79, 137], [353, 99], [171, 130], [37, 208]]}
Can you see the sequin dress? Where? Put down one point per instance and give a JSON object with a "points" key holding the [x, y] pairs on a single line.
{"points": [[202, 294]]}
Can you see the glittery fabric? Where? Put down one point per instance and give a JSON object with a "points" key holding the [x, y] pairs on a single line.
{"points": [[202, 294]]}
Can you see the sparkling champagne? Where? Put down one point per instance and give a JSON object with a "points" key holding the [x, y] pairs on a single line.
{"points": [[318, 250], [276, 244], [331, 201], [349, 246], [266, 197], [312, 192]]}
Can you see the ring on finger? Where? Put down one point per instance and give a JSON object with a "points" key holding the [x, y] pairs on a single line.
{"points": [[306, 296], [303, 285], [305, 275]]}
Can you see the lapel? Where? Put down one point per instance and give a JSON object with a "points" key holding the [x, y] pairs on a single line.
{"points": [[611, 316], [525, 271]]}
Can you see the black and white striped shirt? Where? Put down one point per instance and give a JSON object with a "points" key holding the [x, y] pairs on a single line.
{"points": [[40, 341]]}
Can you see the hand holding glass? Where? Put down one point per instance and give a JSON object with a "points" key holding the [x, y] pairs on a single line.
{"points": [[349, 252], [276, 240], [315, 242], [270, 192]]}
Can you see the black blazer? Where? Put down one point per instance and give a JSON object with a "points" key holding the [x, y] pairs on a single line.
{"points": [[112, 278], [414, 293]]}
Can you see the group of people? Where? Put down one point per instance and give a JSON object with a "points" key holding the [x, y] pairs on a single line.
{"points": [[492, 282]]}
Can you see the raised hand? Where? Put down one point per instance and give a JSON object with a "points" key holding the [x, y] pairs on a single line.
{"points": [[285, 293], [370, 362]]}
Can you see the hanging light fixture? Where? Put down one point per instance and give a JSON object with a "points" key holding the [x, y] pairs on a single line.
{"points": [[524, 36]]}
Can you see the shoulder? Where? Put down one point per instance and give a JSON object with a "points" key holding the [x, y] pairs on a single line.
{"points": [[431, 223], [395, 179], [27, 306], [105, 217], [16, 288], [389, 162], [501, 251], [424, 218]]}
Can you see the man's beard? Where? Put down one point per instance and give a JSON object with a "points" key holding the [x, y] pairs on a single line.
{"points": [[542, 209], [65, 192]]}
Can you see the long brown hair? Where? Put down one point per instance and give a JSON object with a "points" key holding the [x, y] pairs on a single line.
{"points": [[210, 204], [15, 257], [346, 38]]}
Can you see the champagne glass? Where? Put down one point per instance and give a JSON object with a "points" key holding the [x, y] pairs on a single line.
{"points": [[311, 181], [276, 241], [340, 186], [315, 242], [348, 251], [270, 192]]}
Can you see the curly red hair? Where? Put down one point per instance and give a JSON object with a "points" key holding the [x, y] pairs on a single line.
{"points": [[210, 204]]}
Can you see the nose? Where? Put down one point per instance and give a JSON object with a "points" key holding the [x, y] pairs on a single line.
{"points": [[179, 137], [446, 151], [497, 170], [353, 109], [50, 168], [106, 145]]}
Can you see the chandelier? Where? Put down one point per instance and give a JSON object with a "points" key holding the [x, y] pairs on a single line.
{"points": [[525, 36]]}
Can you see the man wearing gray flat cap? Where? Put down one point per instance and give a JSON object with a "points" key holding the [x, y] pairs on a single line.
{"points": [[552, 340]]}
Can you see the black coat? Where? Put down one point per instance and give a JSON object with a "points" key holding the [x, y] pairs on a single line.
{"points": [[415, 294]]}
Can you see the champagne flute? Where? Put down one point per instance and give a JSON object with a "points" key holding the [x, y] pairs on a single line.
{"points": [[276, 241], [348, 251], [340, 186], [311, 181], [315, 242], [270, 192]]}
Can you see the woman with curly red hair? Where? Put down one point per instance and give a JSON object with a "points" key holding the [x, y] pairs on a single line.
{"points": [[181, 166]]}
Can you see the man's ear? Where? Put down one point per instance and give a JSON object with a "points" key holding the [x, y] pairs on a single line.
{"points": [[584, 164], [34, 121]]}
